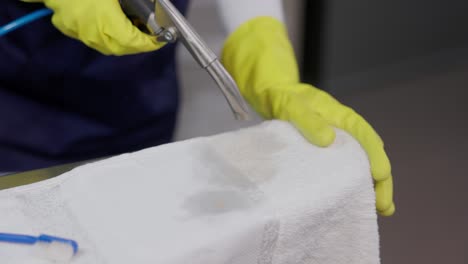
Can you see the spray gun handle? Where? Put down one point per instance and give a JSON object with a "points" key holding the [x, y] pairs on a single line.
{"points": [[141, 13]]}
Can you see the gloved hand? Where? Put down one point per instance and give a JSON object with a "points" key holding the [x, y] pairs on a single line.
{"points": [[101, 25], [260, 58]]}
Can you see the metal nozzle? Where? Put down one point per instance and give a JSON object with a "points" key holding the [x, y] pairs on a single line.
{"points": [[229, 88], [168, 25], [168, 17]]}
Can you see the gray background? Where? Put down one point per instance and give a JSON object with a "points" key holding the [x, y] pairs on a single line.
{"points": [[404, 66]]}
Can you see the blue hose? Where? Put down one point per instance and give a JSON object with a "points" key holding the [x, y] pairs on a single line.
{"points": [[17, 23]]}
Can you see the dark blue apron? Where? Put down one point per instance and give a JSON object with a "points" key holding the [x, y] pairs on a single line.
{"points": [[61, 101]]}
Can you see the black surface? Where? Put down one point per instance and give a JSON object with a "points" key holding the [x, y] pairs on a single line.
{"points": [[313, 34]]}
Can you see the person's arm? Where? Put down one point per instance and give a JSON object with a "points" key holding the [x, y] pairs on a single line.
{"points": [[261, 59], [235, 13]]}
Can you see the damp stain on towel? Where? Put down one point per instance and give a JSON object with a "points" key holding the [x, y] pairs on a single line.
{"points": [[251, 153], [216, 202], [237, 169], [226, 189]]}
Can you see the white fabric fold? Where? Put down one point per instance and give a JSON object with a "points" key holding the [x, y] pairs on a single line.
{"points": [[258, 195]]}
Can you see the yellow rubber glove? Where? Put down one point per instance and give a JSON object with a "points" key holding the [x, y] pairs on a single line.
{"points": [[101, 25], [260, 57]]}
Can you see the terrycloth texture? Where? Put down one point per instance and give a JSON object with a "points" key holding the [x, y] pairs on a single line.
{"points": [[259, 195]]}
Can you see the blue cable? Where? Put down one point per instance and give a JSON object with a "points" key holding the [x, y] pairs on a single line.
{"points": [[17, 23]]}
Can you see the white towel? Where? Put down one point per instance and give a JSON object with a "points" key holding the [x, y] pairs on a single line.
{"points": [[259, 195]]}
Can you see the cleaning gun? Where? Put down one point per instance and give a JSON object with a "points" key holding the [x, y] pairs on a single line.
{"points": [[161, 19]]}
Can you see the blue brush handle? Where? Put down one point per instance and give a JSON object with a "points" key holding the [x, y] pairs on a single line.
{"points": [[19, 239], [31, 240], [15, 24]]}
